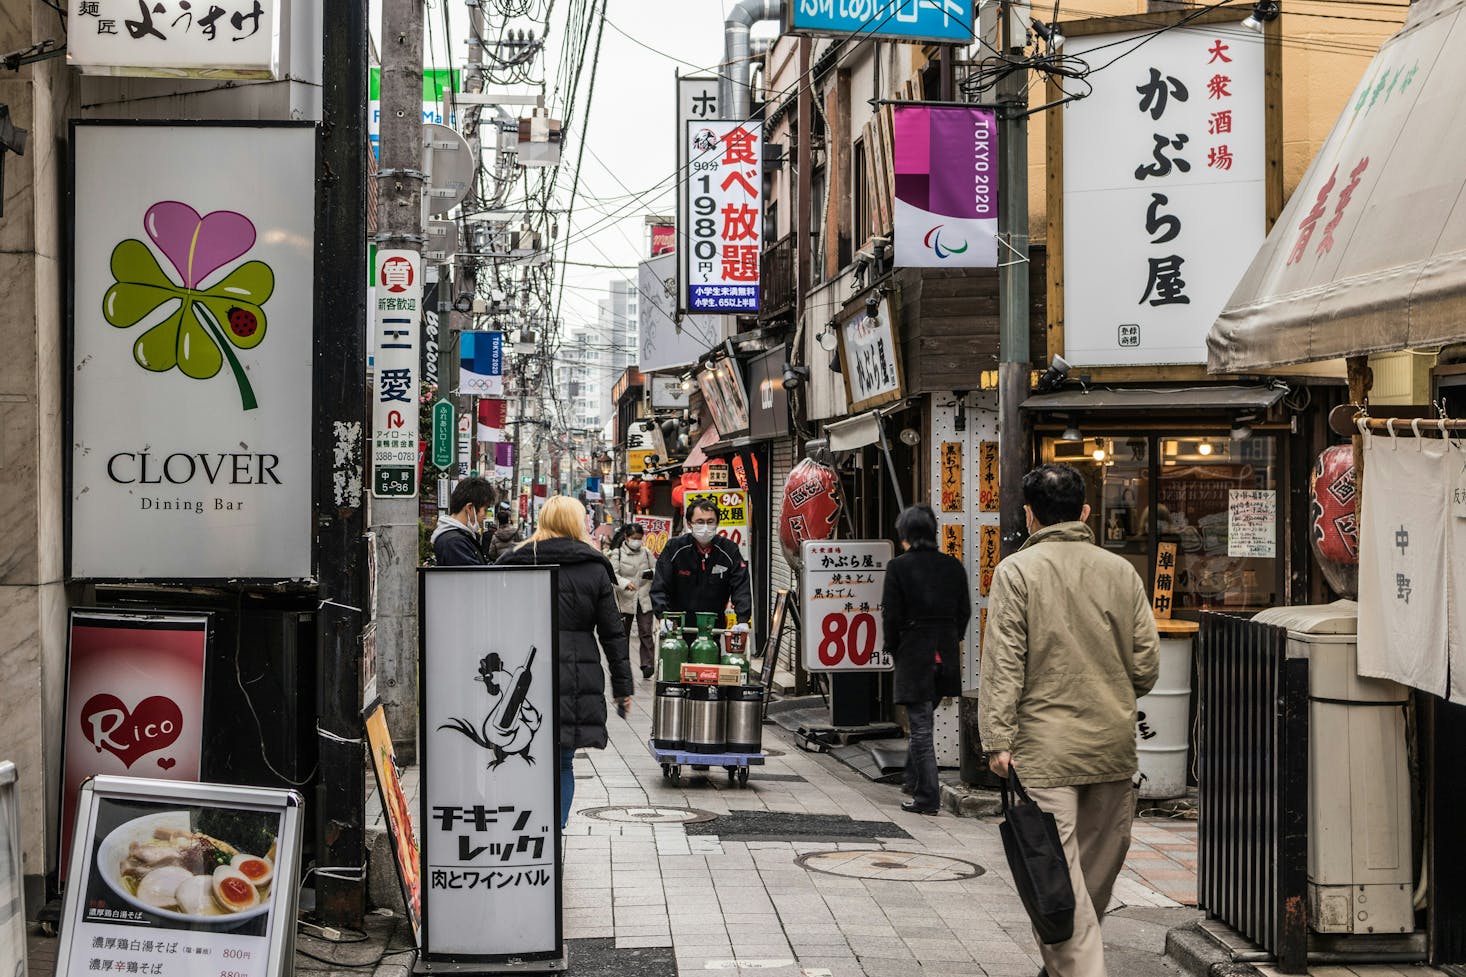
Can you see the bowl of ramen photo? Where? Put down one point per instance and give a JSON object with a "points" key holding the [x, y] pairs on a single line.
{"points": [[205, 866]]}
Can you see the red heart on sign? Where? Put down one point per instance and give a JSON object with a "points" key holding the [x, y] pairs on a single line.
{"points": [[108, 725], [167, 762]]}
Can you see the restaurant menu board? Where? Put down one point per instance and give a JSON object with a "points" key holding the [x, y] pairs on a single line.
{"points": [[840, 591], [182, 880], [490, 787], [12, 883], [398, 814]]}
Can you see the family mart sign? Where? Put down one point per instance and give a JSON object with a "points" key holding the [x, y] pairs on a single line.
{"points": [[437, 85]]}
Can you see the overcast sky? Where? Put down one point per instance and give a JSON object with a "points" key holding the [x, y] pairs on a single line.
{"points": [[629, 143]]}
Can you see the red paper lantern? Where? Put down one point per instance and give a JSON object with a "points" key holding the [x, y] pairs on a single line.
{"points": [[644, 495], [678, 492], [810, 508], [1332, 488]]}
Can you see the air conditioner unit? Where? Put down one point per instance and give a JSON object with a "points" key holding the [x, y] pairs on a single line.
{"points": [[1360, 869]]}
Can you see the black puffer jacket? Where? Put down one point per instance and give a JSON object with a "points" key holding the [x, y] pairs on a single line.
{"points": [[925, 609], [587, 608]]}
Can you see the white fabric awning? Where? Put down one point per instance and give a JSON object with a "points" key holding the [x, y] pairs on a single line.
{"points": [[1370, 253]]}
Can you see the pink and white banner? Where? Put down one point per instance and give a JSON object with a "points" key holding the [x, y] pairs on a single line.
{"points": [[946, 187]]}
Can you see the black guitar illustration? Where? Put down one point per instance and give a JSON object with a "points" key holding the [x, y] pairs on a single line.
{"points": [[509, 728]]}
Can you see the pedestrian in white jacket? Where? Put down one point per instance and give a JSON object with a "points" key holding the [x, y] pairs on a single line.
{"points": [[635, 566]]}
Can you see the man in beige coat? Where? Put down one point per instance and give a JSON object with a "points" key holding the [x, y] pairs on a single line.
{"points": [[1070, 644]]}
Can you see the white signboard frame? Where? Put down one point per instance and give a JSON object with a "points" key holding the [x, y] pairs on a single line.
{"points": [[668, 342], [1164, 195], [489, 742], [835, 575], [193, 249], [12, 876], [397, 314], [870, 357], [101, 921], [721, 246], [122, 37], [698, 100]]}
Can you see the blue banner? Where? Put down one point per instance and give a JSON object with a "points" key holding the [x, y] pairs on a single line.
{"points": [[949, 21]]}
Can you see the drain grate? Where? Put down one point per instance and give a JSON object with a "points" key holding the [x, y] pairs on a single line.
{"points": [[891, 866], [649, 814], [790, 826]]}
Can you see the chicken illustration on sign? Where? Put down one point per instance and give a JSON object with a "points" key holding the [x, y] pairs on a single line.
{"points": [[512, 722]]}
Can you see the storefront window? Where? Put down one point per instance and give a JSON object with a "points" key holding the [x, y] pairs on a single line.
{"points": [[1216, 499]]}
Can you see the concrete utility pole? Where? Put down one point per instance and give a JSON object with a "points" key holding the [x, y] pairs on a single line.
{"points": [[1013, 269], [399, 224]]}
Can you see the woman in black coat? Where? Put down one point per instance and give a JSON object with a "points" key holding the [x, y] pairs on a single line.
{"points": [[587, 596], [925, 611]]}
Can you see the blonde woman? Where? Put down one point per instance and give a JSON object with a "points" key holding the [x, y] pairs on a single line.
{"points": [[587, 595]]}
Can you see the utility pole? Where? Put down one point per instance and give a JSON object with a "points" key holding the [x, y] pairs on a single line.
{"points": [[340, 422], [400, 225], [465, 270], [1013, 268]]}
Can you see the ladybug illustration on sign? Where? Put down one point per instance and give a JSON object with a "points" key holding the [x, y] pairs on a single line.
{"points": [[242, 322]]}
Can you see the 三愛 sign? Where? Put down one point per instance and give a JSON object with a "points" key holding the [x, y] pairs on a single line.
{"points": [[193, 293], [489, 742], [723, 217], [176, 38], [840, 597], [1165, 174], [399, 287]]}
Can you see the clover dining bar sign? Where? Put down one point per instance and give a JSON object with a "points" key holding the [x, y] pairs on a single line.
{"points": [[176, 38], [192, 338]]}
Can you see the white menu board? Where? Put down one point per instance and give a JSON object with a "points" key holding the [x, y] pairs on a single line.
{"points": [[182, 880], [840, 597]]}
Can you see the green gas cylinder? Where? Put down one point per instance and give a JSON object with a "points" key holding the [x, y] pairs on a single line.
{"points": [[672, 650], [704, 649]]}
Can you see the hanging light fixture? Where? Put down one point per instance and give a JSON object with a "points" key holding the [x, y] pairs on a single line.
{"points": [[1072, 433]]}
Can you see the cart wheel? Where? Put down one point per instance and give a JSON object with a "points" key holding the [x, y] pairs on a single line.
{"points": [[742, 776], [666, 771], [676, 774], [732, 776]]}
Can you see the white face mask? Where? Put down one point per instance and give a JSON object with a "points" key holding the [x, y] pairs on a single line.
{"points": [[704, 534], [634, 545]]}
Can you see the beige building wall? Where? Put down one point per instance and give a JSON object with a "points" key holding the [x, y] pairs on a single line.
{"points": [[1325, 53]]}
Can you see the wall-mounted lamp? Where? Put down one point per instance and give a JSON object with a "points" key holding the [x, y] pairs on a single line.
{"points": [[1263, 12], [910, 437], [794, 375]]}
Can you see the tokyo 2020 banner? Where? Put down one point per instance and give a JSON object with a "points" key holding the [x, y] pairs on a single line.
{"points": [[946, 187]]}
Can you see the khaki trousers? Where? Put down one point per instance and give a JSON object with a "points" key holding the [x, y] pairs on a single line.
{"points": [[1094, 825]]}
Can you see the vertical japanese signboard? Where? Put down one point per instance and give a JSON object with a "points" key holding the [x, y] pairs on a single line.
{"points": [[490, 821], [946, 187], [398, 278], [952, 476], [840, 597], [1164, 193], [723, 217], [192, 316], [229, 39], [698, 100], [987, 476], [134, 700], [182, 880], [1165, 580]]}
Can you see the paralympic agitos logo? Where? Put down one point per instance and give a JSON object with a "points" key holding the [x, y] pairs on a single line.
{"points": [[933, 240]]}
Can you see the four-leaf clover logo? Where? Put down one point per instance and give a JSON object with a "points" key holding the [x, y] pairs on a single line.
{"points": [[205, 319]]}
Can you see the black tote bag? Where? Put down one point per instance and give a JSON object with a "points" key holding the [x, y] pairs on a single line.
{"points": [[1036, 857]]}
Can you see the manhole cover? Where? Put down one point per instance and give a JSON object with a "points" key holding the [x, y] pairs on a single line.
{"points": [[890, 866], [649, 815]]}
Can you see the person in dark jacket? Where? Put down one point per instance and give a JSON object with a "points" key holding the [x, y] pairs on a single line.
{"points": [[702, 571], [925, 611], [456, 537], [587, 600], [504, 537]]}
